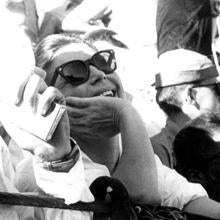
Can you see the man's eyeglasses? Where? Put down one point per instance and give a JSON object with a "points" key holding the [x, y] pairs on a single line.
{"points": [[216, 84], [77, 72]]}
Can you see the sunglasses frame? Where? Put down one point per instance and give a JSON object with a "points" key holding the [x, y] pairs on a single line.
{"points": [[86, 63]]}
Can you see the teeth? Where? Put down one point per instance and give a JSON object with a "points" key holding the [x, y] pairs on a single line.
{"points": [[107, 93]]}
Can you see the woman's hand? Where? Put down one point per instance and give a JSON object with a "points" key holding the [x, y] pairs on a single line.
{"points": [[28, 92], [95, 117]]}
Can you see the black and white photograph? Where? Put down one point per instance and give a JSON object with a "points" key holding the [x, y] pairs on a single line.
{"points": [[110, 110]]}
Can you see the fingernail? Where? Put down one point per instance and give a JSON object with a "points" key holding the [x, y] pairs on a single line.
{"points": [[44, 111], [17, 101]]}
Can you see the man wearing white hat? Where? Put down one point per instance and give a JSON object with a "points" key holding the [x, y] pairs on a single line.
{"points": [[187, 86]]}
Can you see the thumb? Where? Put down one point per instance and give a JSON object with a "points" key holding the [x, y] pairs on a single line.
{"points": [[42, 85], [40, 72]]}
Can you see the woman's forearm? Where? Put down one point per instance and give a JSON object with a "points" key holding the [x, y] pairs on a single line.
{"points": [[137, 167]]}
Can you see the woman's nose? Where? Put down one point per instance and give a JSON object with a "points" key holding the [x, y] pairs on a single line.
{"points": [[96, 75]]}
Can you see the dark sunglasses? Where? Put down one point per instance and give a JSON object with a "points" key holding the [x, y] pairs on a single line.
{"points": [[77, 72]]}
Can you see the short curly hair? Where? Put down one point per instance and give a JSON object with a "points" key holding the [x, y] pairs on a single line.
{"points": [[169, 100]]}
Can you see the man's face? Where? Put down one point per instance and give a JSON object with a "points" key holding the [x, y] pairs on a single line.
{"points": [[208, 95], [98, 82]]}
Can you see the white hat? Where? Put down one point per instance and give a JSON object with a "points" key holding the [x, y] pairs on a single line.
{"points": [[183, 66]]}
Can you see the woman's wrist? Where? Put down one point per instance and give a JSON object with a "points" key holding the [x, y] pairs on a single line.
{"points": [[125, 112], [65, 163], [48, 153]]}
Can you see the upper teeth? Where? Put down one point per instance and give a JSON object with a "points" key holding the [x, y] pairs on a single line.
{"points": [[107, 93]]}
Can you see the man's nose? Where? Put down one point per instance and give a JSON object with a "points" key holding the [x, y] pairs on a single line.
{"points": [[96, 75]]}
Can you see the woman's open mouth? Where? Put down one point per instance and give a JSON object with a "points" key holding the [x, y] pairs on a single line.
{"points": [[109, 93]]}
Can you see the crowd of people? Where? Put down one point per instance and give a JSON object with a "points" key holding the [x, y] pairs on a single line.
{"points": [[101, 133]]}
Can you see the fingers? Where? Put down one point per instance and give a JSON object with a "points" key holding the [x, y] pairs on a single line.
{"points": [[75, 112], [118, 82], [40, 72], [48, 99], [40, 87], [77, 102], [33, 86], [19, 97], [30, 94]]}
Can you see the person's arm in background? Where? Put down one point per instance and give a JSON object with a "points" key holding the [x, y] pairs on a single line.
{"points": [[184, 24], [204, 206], [215, 7], [177, 192]]}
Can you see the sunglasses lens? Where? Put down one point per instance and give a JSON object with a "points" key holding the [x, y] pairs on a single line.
{"points": [[76, 72], [105, 61]]}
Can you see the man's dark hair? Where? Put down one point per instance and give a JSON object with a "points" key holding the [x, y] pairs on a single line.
{"points": [[193, 143]]}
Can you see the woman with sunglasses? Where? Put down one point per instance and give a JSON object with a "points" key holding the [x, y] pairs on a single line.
{"points": [[109, 130], [98, 112]]}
